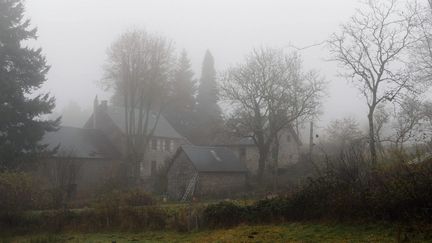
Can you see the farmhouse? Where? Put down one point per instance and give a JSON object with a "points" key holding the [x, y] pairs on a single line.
{"points": [[110, 120], [289, 149], [87, 157], [205, 171]]}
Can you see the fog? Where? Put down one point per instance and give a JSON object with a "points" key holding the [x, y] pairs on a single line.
{"points": [[74, 36], [224, 120]]}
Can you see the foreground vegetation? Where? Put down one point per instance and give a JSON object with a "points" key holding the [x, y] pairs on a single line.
{"points": [[346, 190], [293, 232]]}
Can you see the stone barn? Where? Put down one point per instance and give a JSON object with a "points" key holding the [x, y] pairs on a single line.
{"points": [[84, 160], [205, 171]]}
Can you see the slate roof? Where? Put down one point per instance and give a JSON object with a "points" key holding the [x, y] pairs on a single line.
{"points": [[213, 159], [80, 143], [163, 127]]}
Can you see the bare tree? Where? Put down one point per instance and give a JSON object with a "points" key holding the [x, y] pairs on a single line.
{"points": [[421, 53], [381, 119], [344, 132], [407, 121], [268, 92], [139, 67], [371, 48]]}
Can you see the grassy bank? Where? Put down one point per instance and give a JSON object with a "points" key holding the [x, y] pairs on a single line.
{"points": [[294, 232]]}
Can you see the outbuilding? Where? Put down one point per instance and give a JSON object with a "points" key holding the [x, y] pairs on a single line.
{"points": [[84, 160], [202, 171]]}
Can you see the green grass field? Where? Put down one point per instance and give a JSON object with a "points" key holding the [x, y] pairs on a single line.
{"points": [[295, 232]]}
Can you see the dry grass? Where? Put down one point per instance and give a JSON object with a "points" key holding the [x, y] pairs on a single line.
{"points": [[295, 232]]}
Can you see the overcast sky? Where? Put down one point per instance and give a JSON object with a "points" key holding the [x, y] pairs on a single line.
{"points": [[75, 35]]}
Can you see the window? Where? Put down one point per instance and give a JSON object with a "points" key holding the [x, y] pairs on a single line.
{"points": [[153, 167], [167, 145], [154, 144], [172, 145], [159, 145]]}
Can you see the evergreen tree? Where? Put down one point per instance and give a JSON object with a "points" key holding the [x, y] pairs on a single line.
{"points": [[207, 92], [183, 85], [182, 99], [208, 112], [22, 71]]}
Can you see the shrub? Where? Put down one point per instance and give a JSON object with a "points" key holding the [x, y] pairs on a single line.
{"points": [[109, 205], [348, 189], [267, 210], [20, 191], [223, 214], [136, 197]]}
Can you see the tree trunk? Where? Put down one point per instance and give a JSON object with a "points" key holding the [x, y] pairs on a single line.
{"points": [[275, 158], [263, 154], [261, 166], [372, 145]]}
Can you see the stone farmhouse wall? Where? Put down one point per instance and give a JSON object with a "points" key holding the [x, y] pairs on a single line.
{"points": [[159, 152], [179, 175]]}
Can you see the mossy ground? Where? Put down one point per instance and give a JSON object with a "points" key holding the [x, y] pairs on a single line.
{"points": [[294, 232]]}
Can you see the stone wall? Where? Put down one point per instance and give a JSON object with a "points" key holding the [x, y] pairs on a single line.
{"points": [[209, 184], [179, 175], [160, 155], [220, 184]]}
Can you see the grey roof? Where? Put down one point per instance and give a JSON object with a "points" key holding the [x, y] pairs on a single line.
{"points": [[163, 127], [213, 159], [80, 143]]}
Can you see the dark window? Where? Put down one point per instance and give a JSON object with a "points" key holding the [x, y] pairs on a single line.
{"points": [[153, 168]]}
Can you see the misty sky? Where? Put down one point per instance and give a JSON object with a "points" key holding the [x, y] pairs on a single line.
{"points": [[75, 35]]}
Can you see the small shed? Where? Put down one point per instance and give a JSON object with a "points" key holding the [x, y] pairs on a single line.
{"points": [[205, 171]]}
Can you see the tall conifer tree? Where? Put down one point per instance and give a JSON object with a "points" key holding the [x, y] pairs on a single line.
{"points": [[182, 99], [22, 72], [184, 85], [208, 93], [208, 111]]}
